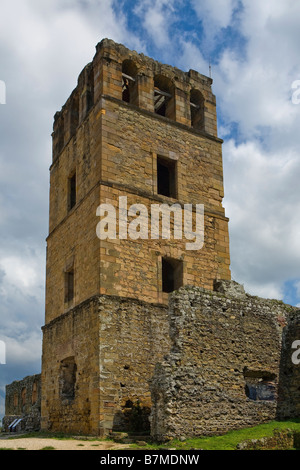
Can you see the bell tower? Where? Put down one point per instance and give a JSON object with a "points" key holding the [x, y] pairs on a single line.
{"points": [[135, 136]]}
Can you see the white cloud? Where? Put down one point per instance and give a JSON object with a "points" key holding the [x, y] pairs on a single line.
{"points": [[157, 17], [192, 58], [215, 14], [21, 273], [24, 350], [263, 202], [256, 88]]}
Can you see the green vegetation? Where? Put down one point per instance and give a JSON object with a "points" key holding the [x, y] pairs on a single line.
{"points": [[230, 440], [48, 435]]}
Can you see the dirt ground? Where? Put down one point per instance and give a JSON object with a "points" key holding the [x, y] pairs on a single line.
{"points": [[67, 444]]}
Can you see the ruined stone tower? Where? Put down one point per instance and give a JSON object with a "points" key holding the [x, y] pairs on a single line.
{"points": [[137, 129]]}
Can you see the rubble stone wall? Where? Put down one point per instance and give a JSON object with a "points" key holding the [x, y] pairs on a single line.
{"points": [[23, 401], [224, 370]]}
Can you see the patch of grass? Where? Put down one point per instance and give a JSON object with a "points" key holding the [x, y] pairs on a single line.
{"points": [[40, 435], [230, 440], [48, 448], [54, 435], [5, 448]]}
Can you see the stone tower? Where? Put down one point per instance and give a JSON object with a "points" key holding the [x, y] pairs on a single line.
{"points": [[144, 132]]}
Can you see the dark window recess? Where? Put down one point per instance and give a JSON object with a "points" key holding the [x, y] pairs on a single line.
{"points": [[129, 82], [69, 285], [160, 103], [125, 90], [163, 97], [172, 274], [166, 177], [72, 192], [197, 110], [68, 378], [260, 386]]}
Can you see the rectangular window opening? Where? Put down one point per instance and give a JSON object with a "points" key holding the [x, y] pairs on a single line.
{"points": [[161, 100], [166, 177], [68, 371], [72, 191], [69, 285], [172, 274]]}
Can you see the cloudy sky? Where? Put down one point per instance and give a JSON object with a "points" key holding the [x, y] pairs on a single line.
{"points": [[253, 48]]}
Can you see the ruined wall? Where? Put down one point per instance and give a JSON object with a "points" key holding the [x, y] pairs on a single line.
{"points": [[134, 336], [23, 401], [225, 364], [97, 362], [289, 381], [70, 371]]}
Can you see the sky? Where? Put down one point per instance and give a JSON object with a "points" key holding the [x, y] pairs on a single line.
{"points": [[252, 47]]}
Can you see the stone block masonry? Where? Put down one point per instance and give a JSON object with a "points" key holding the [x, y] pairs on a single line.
{"points": [[23, 404], [96, 372], [229, 365], [211, 362]]}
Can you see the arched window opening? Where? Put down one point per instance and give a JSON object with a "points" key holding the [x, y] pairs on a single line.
{"points": [[163, 96], [197, 109], [16, 400], [34, 393], [129, 82], [23, 396]]}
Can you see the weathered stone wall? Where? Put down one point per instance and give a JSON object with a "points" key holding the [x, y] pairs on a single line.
{"points": [[211, 362], [70, 401], [114, 344], [23, 401], [224, 366], [281, 440], [289, 380], [134, 336]]}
